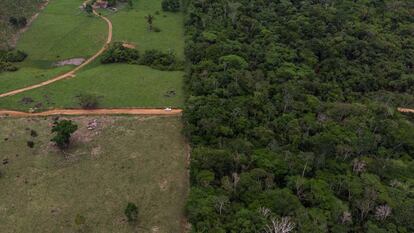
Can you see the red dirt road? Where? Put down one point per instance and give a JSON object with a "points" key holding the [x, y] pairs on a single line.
{"points": [[72, 72], [89, 112]]}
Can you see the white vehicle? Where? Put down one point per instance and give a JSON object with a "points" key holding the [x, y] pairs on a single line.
{"points": [[168, 109]]}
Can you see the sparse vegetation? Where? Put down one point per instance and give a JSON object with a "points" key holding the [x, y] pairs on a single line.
{"points": [[88, 189], [131, 212]]}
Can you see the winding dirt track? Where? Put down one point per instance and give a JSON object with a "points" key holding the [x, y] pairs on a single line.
{"points": [[72, 72], [89, 112], [406, 110]]}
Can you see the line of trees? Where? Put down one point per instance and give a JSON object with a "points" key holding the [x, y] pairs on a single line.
{"points": [[286, 124]]}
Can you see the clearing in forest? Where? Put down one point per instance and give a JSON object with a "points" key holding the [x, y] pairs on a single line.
{"points": [[117, 85], [124, 159]]}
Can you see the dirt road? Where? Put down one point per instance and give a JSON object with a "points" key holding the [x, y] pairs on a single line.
{"points": [[78, 112], [72, 72], [407, 110]]}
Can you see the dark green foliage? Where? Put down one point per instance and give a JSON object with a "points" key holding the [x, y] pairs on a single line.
{"points": [[18, 22], [8, 57], [63, 130], [88, 8], [7, 66], [117, 53], [159, 60], [292, 112], [131, 212], [33, 133], [88, 101], [170, 5], [30, 144], [156, 59], [12, 56]]}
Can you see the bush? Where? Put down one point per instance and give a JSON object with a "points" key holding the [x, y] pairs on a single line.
{"points": [[12, 56], [158, 59], [7, 66], [131, 212], [64, 130], [156, 29], [170, 5], [30, 144], [88, 101], [18, 22], [117, 53], [33, 133]]}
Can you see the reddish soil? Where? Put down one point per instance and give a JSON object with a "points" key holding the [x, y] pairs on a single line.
{"points": [[77, 112]]}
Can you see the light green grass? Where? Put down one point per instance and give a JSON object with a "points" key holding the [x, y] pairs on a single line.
{"points": [[27, 76], [60, 32], [119, 85], [126, 159], [130, 25], [63, 31]]}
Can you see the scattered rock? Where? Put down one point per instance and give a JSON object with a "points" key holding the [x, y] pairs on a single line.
{"points": [[5, 161], [92, 125]]}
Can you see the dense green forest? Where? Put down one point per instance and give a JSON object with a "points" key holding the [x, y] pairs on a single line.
{"points": [[292, 115]]}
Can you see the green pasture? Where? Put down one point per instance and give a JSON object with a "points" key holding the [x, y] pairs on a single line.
{"points": [[118, 85]]}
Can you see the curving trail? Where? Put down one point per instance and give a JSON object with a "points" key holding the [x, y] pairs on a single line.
{"points": [[72, 72], [406, 110], [99, 112]]}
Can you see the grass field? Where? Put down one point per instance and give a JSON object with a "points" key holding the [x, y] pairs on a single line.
{"points": [[119, 85], [27, 76], [126, 159], [130, 25], [63, 31], [60, 32]]}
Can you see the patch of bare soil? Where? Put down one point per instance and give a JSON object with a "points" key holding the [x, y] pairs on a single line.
{"points": [[86, 134], [73, 61], [129, 46]]}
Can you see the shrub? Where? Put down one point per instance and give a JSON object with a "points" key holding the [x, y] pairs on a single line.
{"points": [[117, 53], [30, 144], [12, 56], [88, 101], [158, 59], [18, 22], [131, 212], [170, 5], [156, 29], [33, 133], [64, 130], [7, 66]]}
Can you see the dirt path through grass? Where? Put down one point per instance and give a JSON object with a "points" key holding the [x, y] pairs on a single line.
{"points": [[72, 72], [407, 110], [103, 111]]}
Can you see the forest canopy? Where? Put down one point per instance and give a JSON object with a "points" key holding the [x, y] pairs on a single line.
{"points": [[292, 115]]}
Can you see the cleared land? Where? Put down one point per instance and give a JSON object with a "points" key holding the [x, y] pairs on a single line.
{"points": [[119, 85], [126, 159], [130, 25], [131, 86], [60, 32]]}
